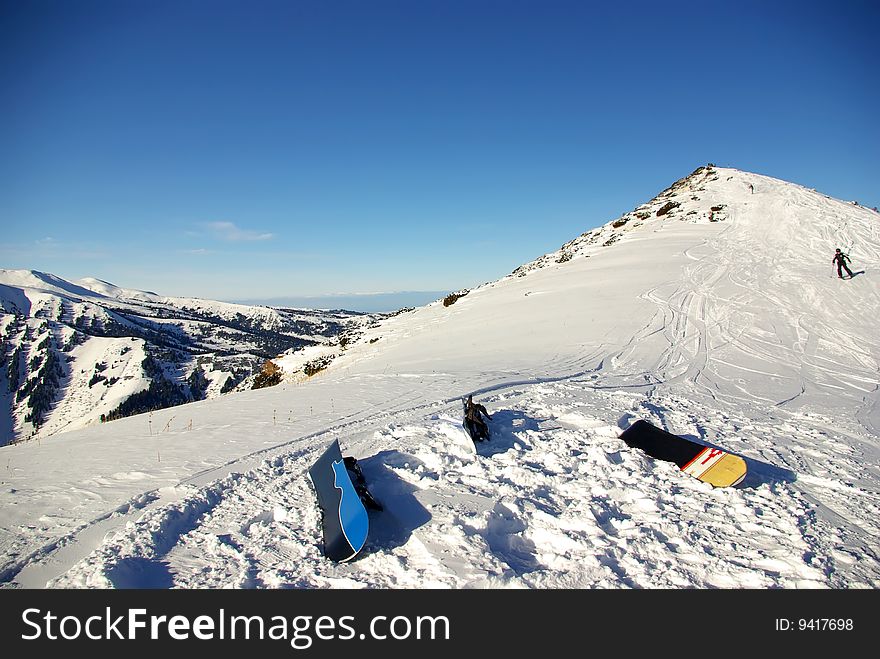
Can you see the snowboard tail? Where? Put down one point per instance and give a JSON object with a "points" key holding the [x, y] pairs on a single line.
{"points": [[343, 517], [708, 464]]}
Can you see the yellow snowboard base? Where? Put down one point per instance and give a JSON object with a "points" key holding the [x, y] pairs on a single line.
{"points": [[717, 467]]}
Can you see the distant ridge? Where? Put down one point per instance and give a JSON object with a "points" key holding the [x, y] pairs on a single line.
{"points": [[366, 302], [79, 353]]}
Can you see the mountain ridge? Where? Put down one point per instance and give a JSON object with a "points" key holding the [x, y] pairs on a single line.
{"points": [[76, 353]]}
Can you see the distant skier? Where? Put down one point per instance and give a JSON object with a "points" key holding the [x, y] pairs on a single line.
{"points": [[841, 259], [479, 429], [752, 188]]}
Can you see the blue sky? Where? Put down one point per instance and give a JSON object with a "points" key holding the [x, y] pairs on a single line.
{"points": [[251, 150]]}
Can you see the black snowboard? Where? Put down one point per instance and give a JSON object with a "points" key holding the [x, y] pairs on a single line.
{"points": [[660, 444], [708, 464]]}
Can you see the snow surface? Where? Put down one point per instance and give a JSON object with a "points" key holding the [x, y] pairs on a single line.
{"points": [[71, 353], [79, 408], [727, 326]]}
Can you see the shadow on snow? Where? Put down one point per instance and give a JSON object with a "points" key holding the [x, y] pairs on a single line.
{"points": [[758, 473], [503, 432], [140, 572], [402, 514]]}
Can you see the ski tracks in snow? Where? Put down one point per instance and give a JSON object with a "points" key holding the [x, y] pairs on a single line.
{"points": [[553, 500], [738, 353]]}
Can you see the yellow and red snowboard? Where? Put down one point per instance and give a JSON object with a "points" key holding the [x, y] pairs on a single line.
{"points": [[710, 465]]}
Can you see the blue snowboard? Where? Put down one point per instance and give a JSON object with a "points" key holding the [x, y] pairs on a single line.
{"points": [[344, 517]]}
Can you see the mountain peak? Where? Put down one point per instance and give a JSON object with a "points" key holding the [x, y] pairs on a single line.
{"points": [[105, 288], [711, 195], [44, 281]]}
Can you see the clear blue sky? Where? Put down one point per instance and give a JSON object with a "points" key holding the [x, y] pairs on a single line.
{"points": [[262, 149]]}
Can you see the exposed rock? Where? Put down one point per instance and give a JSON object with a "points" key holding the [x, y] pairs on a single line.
{"points": [[269, 375], [668, 206], [317, 365], [452, 298], [564, 257]]}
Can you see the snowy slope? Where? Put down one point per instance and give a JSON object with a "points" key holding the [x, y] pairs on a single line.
{"points": [[74, 353], [719, 319], [107, 289]]}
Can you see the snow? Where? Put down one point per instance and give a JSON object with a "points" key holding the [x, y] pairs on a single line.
{"points": [[292, 364], [107, 289], [725, 326], [56, 388], [225, 310], [83, 405], [45, 282]]}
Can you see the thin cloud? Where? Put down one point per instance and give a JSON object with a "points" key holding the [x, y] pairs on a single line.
{"points": [[228, 232], [50, 247]]}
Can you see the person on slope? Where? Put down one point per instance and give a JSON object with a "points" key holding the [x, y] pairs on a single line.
{"points": [[479, 429], [841, 259]]}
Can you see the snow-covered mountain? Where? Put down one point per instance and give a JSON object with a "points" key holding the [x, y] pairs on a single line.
{"points": [[712, 311], [74, 353]]}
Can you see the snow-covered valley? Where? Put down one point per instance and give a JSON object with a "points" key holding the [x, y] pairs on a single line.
{"points": [[76, 354]]}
